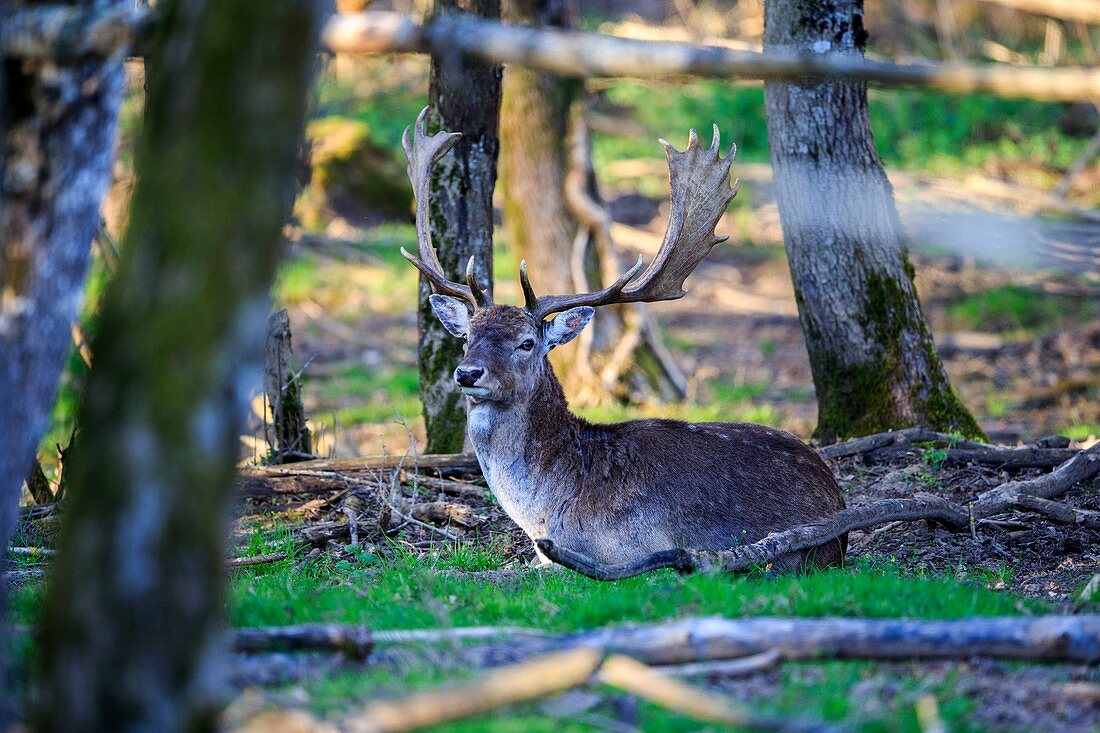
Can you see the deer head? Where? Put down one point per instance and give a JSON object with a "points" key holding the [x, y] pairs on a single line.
{"points": [[506, 346]]}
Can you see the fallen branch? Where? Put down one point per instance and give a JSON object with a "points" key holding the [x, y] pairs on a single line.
{"points": [[446, 512], [244, 562], [1050, 638], [641, 680], [355, 641], [1008, 459], [530, 680], [727, 668], [1081, 467], [586, 54], [759, 554], [335, 467], [32, 551], [858, 446], [1057, 511]]}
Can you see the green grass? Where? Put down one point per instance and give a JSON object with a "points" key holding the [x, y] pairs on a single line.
{"points": [[1014, 309], [403, 592], [914, 129]]}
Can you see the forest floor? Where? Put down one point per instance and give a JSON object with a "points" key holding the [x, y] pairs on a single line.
{"points": [[1010, 283]]}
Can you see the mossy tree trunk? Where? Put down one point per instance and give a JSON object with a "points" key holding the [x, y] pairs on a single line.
{"points": [[464, 96], [58, 134], [875, 366], [134, 609], [556, 222]]}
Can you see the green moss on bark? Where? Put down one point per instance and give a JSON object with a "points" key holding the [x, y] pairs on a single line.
{"points": [[874, 396]]}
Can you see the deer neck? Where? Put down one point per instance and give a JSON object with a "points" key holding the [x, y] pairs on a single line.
{"points": [[525, 450]]}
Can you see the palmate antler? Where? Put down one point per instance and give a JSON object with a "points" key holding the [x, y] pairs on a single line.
{"points": [[423, 150], [701, 191]]}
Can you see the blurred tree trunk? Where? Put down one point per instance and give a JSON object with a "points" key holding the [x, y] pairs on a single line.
{"points": [[132, 620], [464, 96], [58, 127], [557, 222], [875, 366]]}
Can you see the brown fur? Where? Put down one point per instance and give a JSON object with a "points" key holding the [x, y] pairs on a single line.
{"points": [[619, 491]]}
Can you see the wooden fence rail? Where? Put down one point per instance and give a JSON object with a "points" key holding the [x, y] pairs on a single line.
{"points": [[62, 31]]}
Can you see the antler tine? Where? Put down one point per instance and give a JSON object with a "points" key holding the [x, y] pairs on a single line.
{"points": [[701, 191], [530, 300], [548, 304], [481, 297], [423, 151]]}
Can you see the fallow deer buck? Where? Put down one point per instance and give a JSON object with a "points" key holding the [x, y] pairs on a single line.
{"points": [[621, 491]]}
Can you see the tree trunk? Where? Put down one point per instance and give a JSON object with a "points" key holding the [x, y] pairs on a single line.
{"points": [[58, 140], [464, 96], [875, 366], [58, 131], [132, 619], [556, 222]]}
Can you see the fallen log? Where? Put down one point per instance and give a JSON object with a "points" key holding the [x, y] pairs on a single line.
{"points": [[1039, 638], [355, 641], [1058, 512], [1083, 466], [363, 464]]}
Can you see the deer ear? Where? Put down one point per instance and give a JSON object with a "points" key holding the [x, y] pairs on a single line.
{"points": [[452, 313], [565, 327]]}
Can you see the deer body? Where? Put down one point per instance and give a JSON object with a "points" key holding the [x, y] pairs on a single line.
{"points": [[620, 491]]}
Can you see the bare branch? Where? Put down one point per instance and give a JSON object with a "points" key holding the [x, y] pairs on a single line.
{"points": [[574, 53]]}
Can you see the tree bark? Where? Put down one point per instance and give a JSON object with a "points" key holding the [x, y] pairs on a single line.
{"points": [[464, 96], [557, 222], [132, 619], [58, 140], [58, 136], [874, 363]]}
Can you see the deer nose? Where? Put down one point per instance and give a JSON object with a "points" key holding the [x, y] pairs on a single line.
{"points": [[468, 376]]}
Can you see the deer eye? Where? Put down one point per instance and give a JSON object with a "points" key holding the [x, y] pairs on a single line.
{"points": [[527, 344]]}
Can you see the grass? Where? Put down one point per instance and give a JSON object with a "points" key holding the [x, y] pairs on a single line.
{"points": [[1015, 309], [402, 592], [914, 129]]}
